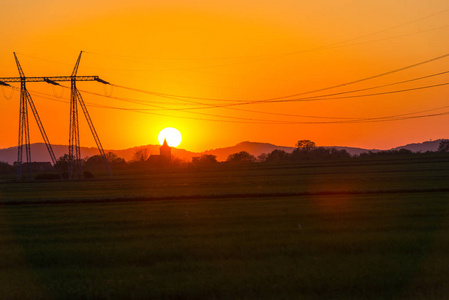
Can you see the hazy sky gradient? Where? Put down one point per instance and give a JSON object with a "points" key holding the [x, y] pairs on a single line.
{"points": [[236, 50]]}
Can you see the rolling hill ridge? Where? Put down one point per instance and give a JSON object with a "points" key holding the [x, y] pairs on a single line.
{"points": [[39, 151]]}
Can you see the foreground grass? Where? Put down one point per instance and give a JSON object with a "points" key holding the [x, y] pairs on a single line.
{"points": [[303, 247], [335, 230]]}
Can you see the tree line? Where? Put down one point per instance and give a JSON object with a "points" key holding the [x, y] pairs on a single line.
{"points": [[305, 150], [308, 150]]}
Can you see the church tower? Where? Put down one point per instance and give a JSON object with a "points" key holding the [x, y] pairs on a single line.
{"points": [[165, 150]]}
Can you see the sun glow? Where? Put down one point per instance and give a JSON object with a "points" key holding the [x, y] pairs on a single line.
{"points": [[172, 135]]}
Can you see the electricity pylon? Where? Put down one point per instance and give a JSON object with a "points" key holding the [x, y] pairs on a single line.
{"points": [[74, 139], [24, 133], [24, 127]]}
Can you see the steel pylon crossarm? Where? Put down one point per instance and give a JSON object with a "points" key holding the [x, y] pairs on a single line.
{"points": [[52, 78]]}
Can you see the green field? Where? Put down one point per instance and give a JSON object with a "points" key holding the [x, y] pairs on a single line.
{"points": [[356, 229]]}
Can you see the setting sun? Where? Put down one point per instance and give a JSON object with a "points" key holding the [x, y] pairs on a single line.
{"points": [[172, 135]]}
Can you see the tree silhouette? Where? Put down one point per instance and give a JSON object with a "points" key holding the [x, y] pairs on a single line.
{"points": [[241, 157], [62, 163], [262, 157], [277, 156], [318, 153], [386, 153], [140, 155], [96, 161], [342, 153], [444, 146], [6, 168], [306, 145], [204, 160]]}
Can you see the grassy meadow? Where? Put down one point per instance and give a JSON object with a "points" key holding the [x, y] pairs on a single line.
{"points": [[356, 229]]}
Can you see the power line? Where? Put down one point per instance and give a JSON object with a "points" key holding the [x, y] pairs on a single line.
{"points": [[391, 37], [143, 111], [171, 95], [363, 79], [359, 120], [242, 102], [157, 107], [282, 99], [343, 120], [257, 121], [314, 98], [383, 85], [364, 95]]}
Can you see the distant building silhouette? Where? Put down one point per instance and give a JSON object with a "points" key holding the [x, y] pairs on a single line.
{"points": [[164, 156], [165, 150]]}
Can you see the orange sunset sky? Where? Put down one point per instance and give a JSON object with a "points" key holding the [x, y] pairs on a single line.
{"points": [[209, 67]]}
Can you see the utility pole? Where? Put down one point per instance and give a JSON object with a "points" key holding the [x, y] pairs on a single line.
{"points": [[75, 98]]}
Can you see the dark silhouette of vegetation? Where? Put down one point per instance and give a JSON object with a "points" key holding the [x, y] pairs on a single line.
{"points": [[305, 153], [6, 168], [140, 155], [204, 160], [305, 150], [96, 161], [444, 146], [62, 164], [90, 164], [316, 153], [277, 156], [242, 157], [262, 157], [305, 145], [387, 153]]}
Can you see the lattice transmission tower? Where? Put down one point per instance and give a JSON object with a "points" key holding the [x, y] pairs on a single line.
{"points": [[74, 139], [75, 99]]}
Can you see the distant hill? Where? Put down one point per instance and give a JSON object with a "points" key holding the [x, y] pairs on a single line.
{"points": [[257, 149], [421, 147], [39, 151], [254, 148]]}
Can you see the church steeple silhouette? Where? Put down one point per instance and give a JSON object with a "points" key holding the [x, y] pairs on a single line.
{"points": [[165, 150]]}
